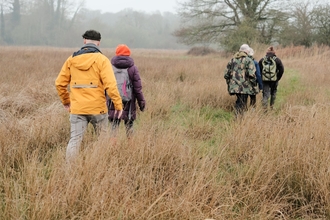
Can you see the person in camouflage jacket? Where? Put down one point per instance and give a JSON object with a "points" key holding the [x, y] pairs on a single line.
{"points": [[241, 78]]}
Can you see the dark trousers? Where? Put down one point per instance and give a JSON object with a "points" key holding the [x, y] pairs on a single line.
{"points": [[241, 103], [253, 100], [128, 126], [269, 91]]}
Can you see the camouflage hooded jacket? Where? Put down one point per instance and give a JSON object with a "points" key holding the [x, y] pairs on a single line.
{"points": [[240, 75]]}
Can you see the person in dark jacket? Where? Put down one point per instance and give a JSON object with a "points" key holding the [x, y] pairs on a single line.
{"points": [[122, 60], [270, 87], [257, 88]]}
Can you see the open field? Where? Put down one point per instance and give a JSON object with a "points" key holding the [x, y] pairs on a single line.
{"points": [[188, 159]]}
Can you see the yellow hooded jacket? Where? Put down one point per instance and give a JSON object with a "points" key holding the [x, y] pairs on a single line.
{"points": [[89, 75]]}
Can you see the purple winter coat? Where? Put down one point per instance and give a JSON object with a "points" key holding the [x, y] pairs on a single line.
{"points": [[123, 62]]}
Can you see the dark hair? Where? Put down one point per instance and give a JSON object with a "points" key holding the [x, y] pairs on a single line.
{"points": [[92, 35]]}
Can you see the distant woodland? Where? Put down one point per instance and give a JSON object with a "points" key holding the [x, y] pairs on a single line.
{"points": [[222, 24], [61, 23]]}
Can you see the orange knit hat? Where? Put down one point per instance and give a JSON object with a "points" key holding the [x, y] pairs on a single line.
{"points": [[123, 50]]}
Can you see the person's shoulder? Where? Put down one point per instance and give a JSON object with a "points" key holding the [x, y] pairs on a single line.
{"points": [[249, 59], [231, 60], [133, 69], [131, 60], [277, 58], [69, 58], [262, 58], [101, 57]]}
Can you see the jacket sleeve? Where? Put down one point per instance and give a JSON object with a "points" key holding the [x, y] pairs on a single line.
{"points": [[280, 68], [61, 83], [260, 65], [227, 73], [258, 74], [137, 87], [110, 84]]}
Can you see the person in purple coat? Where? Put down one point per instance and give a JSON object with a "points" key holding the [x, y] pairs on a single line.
{"points": [[122, 60]]}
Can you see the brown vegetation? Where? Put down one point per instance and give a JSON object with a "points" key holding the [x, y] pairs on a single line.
{"points": [[188, 159], [201, 51]]}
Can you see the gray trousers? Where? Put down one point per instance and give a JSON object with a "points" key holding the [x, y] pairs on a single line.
{"points": [[269, 91], [79, 124]]}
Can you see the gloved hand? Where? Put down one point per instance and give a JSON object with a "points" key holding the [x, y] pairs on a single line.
{"points": [[142, 106]]}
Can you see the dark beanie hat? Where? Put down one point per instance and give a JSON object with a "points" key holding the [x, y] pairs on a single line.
{"points": [[271, 50], [92, 35]]}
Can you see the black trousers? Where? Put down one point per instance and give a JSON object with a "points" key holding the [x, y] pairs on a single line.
{"points": [[253, 100], [241, 103], [128, 126]]}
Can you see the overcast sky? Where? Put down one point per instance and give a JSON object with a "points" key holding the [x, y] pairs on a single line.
{"points": [[137, 5]]}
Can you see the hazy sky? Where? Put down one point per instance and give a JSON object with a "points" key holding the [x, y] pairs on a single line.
{"points": [[138, 5]]}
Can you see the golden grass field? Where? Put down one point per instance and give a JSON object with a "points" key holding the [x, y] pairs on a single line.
{"points": [[188, 159]]}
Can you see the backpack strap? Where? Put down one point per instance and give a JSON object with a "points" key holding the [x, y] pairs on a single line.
{"points": [[271, 57]]}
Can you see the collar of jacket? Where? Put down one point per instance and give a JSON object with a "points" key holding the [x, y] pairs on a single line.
{"points": [[88, 48], [91, 46], [240, 54]]}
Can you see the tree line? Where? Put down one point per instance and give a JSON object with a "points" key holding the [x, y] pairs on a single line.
{"points": [[229, 23], [225, 24], [60, 23]]}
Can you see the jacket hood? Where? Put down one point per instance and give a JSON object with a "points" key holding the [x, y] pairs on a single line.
{"points": [[240, 54], [84, 58], [122, 62], [84, 61]]}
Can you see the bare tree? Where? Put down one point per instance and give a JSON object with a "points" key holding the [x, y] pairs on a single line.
{"points": [[3, 31], [45, 19], [322, 24], [299, 31], [16, 13], [213, 20], [10, 18]]}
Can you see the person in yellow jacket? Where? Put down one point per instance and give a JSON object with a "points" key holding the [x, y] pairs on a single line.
{"points": [[89, 75]]}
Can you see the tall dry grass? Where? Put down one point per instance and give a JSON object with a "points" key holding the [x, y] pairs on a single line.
{"points": [[188, 158]]}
